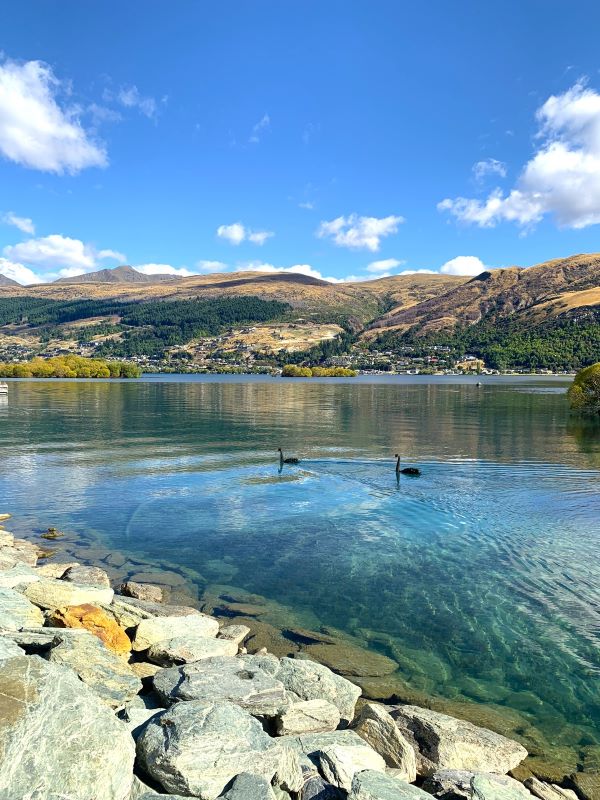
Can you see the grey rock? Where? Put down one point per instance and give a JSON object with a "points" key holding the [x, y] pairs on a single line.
{"points": [[141, 791], [316, 788], [289, 775], [464, 785], [371, 785], [266, 661], [17, 611], [183, 649], [308, 716], [311, 681], [339, 763], [247, 786], [159, 629], [379, 730], [142, 591], [8, 648], [197, 748], [309, 745], [549, 791], [236, 633], [19, 551], [18, 575], [87, 576], [57, 739], [138, 718], [7, 539], [227, 679], [55, 569], [106, 673], [159, 609], [51, 593], [443, 742]]}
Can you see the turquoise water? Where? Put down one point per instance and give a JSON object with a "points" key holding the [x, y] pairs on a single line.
{"points": [[480, 578]]}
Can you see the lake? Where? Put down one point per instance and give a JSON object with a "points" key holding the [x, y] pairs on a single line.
{"points": [[480, 579]]}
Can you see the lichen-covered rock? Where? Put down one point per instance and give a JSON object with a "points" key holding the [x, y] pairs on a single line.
{"points": [[339, 763], [17, 611], [308, 716], [102, 670], [183, 649], [247, 786], [197, 748], [142, 591], [312, 681], [159, 629], [236, 633], [223, 679], [370, 785], [443, 742], [451, 784], [87, 576], [96, 621], [18, 575], [57, 739], [50, 593], [379, 730]]}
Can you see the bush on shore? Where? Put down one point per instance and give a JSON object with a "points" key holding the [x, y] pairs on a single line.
{"points": [[294, 371], [584, 393], [69, 367]]}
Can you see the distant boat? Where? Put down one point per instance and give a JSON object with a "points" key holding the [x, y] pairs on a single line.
{"points": [[3, 388]]}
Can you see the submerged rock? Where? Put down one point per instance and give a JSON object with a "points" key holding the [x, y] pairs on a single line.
{"points": [[369, 785], [142, 591], [184, 649], [450, 784], [308, 716], [107, 674], [159, 629], [379, 730], [223, 679], [443, 742], [348, 659], [310, 681], [197, 748], [57, 739], [87, 576], [17, 611], [50, 593], [96, 621], [339, 763]]}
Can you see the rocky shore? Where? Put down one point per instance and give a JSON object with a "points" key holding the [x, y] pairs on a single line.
{"points": [[112, 693]]}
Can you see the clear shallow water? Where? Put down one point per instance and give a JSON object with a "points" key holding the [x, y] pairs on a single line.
{"points": [[481, 578]]}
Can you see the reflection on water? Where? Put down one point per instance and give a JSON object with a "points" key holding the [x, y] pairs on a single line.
{"points": [[479, 579]]}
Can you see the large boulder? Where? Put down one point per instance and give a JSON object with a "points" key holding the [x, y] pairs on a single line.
{"points": [[51, 593], [339, 763], [197, 748], [109, 675], [308, 746], [142, 591], [379, 730], [315, 788], [87, 576], [159, 629], [370, 785], [311, 681], [55, 569], [308, 716], [247, 786], [17, 551], [443, 742], [451, 784], [57, 739], [183, 649], [223, 679], [18, 575], [17, 612], [96, 621], [549, 791]]}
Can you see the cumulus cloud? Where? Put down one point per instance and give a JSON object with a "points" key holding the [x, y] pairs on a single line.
{"points": [[463, 265], [418, 272], [357, 232], [163, 269], [236, 233], [211, 266], [384, 265], [562, 178], [35, 130], [24, 224], [17, 272], [490, 166], [301, 269], [260, 128]]}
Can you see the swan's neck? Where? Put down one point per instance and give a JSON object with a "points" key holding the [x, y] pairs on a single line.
{"points": [[398, 464]]}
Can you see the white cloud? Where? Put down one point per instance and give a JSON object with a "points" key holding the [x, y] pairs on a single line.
{"points": [[384, 265], [56, 252], [211, 266], [488, 167], [236, 233], [163, 269], [301, 269], [418, 272], [563, 176], [307, 204], [17, 272], [262, 126], [463, 265], [35, 131], [22, 223], [130, 97], [359, 232]]}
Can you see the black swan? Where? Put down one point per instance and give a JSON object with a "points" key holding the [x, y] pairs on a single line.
{"points": [[406, 470], [291, 460]]}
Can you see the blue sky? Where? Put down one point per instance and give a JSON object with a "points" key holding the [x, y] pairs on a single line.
{"points": [[344, 138]]}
